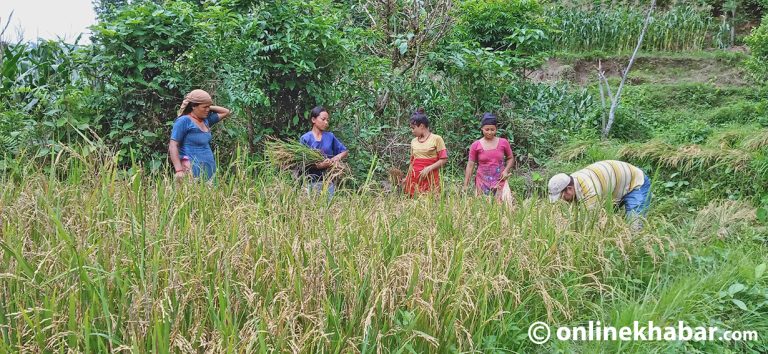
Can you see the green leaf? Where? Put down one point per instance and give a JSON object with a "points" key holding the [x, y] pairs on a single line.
{"points": [[760, 271], [736, 288], [740, 304], [26, 268], [403, 47], [762, 214]]}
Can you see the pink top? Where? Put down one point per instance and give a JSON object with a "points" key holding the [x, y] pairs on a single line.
{"points": [[490, 164]]}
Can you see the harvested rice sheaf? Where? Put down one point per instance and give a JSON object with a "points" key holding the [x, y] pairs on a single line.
{"points": [[757, 141], [294, 156], [687, 157], [290, 155]]}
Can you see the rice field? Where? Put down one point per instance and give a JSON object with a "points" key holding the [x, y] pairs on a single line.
{"points": [[94, 258]]}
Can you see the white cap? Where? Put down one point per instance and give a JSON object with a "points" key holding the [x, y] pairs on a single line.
{"points": [[557, 184]]}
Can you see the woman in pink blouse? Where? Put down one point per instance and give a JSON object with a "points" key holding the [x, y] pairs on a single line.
{"points": [[494, 159]]}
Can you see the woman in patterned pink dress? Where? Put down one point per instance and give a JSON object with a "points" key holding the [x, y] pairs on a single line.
{"points": [[494, 159]]}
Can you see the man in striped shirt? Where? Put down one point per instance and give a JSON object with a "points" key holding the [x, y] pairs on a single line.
{"points": [[625, 184]]}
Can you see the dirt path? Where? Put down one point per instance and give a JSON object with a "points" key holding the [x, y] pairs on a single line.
{"points": [[654, 70]]}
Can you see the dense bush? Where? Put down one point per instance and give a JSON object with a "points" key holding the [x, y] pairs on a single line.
{"points": [[518, 25], [43, 94], [739, 112], [144, 61], [758, 45]]}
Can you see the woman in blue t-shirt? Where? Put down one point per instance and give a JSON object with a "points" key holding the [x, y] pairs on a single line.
{"points": [[330, 146], [190, 145]]}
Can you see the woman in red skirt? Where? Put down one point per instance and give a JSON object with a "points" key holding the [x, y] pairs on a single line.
{"points": [[428, 155]]}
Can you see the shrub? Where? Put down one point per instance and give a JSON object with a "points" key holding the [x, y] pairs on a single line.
{"points": [[518, 26], [758, 45], [739, 112]]}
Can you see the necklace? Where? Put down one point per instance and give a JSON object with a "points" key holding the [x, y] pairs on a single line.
{"points": [[199, 123], [425, 139]]}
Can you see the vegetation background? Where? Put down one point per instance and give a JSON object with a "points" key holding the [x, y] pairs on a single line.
{"points": [[101, 251]]}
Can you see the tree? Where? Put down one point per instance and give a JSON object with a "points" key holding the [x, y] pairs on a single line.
{"points": [[603, 81], [279, 61]]}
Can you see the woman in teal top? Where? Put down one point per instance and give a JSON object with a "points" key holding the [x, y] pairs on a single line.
{"points": [[190, 145]]}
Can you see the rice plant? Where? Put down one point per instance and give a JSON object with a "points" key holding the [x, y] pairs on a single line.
{"points": [[688, 157], [296, 157], [95, 259], [290, 155]]}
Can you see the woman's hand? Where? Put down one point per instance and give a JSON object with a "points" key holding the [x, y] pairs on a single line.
{"points": [[180, 175], [221, 111], [324, 164], [425, 172]]}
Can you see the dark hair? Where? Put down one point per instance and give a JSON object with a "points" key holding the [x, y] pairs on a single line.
{"points": [[488, 119], [420, 118], [188, 108], [571, 183], [315, 112]]}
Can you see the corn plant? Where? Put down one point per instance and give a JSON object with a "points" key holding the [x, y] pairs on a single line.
{"points": [[616, 29]]}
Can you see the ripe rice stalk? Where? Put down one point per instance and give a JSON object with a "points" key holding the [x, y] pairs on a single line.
{"points": [[722, 219], [395, 176], [688, 157], [757, 141], [294, 156], [251, 265], [730, 138], [574, 151], [288, 155]]}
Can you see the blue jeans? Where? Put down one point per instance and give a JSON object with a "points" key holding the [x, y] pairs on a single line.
{"points": [[317, 188], [637, 201]]}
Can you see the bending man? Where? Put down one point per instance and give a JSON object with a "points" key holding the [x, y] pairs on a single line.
{"points": [[625, 184]]}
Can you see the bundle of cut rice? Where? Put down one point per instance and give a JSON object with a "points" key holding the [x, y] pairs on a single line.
{"points": [[294, 156]]}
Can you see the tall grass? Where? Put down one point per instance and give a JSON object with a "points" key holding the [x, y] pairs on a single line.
{"points": [[616, 29], [96, 259]]}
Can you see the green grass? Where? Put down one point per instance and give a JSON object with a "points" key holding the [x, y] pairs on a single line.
{"points": [[97, 259], [723, 56]]}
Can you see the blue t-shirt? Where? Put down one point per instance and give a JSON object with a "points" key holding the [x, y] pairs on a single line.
{"points": [[328, 145], [195, 144]]}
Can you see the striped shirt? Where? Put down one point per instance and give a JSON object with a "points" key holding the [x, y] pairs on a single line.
{"points": [[598, 181]]}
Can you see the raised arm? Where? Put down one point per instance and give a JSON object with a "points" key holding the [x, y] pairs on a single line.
{"points": [[221, 111]]}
